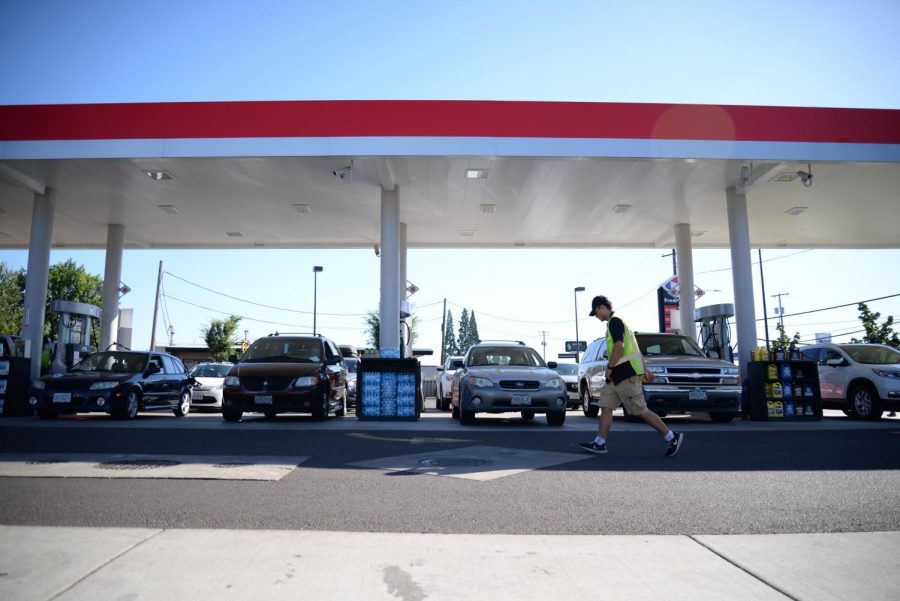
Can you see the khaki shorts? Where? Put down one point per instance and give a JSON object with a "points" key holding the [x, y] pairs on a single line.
{"points": [[627, 392]]}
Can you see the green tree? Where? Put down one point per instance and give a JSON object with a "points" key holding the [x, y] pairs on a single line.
{"points": [[875, 334], [220, 338], [12, 282], [462, 338], [70, 282], [783, 342], [450, 346], [372, 323], [474, 338]]}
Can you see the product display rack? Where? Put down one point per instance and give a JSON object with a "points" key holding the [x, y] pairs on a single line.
{"points": [[388, 389], [773, 388]]}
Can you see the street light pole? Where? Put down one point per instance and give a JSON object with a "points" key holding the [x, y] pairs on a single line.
{"points": [[316, 270], [577, 343]]}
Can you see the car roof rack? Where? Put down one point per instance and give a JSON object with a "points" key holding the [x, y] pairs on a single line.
{"points": [[503, 341], [294, 334]]}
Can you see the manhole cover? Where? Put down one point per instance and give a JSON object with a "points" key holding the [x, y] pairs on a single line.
{"points": [[227, 465], [455, 462], [136, 464], [46, 461]]}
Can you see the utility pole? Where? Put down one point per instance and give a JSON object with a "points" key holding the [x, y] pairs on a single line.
{"points": [[674, 256], [543, 334], [156, 309], [443, 333], [780, 310], [762, 283]]}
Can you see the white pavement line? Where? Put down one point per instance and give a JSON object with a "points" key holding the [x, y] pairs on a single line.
{"points": [[194, 467], [40, 563], [472, 463], [818, 567], [275, 565]]}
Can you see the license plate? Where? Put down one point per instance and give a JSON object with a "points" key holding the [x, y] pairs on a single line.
{"points": [[62, 397], [263, 399], [197, 396], [521, 399], [697, 394]]}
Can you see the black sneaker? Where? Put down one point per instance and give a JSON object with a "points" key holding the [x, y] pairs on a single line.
{"points": [[675, 445], [593, 447]]}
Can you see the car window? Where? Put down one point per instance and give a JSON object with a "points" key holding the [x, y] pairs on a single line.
{"points": [[590, 353], [170, 365], [501, 356], [567, 369], [335, 351], [872, 354], [210, 370], [651, 345], [810, 354], [179, 366], [352, 364], [155, 360], [827, 354], [305, 350]]}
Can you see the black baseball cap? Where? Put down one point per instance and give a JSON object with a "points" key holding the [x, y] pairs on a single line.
{"points": [[599, 300]]}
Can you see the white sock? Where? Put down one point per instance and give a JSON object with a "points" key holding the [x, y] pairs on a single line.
{"points": [[669, 436], [599, 440]]}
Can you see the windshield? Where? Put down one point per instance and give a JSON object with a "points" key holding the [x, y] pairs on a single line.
{"points": [[872, 354], [113, 362], [210, 370], [654, 345], [352, 365], [505, 355], [567, 369], [295, 350]]}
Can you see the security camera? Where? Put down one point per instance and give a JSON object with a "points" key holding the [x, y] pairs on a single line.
{"points": [[343, 172], [805, 177], [377, 250]]}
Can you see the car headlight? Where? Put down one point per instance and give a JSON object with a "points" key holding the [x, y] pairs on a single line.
{"points": [[39, 384], [103, 385], [553, 384], [731, 371], [232, 381], [481, 382], [884, 373], [305, 381], [656, 369], [219, 387]]}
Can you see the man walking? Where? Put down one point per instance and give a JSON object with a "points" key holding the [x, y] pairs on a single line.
{"points": [[623, 382]]}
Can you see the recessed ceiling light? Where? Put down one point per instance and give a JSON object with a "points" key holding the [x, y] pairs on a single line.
{"points": [[258, 244], [697, 233], [476, 173], [621, 208], [172, 209], [796, 210], [159, 175], [302, 208], [784, 177], [234, 234], [488, 208], [466, 233]]}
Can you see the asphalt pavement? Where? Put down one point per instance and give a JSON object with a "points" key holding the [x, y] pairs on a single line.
{"points": [[431, 509]]}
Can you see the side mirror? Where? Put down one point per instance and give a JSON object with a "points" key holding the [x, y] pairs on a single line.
{"points": [[336, 360], [232, 359], [552, 364], [605, 355], [440, 369]]}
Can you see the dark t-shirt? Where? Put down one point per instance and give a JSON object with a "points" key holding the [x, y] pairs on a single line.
{"points": [[617, 332]]}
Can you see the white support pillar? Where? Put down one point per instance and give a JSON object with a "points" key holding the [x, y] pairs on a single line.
{"points": [[742, 276], [389, 309], [38, 272], [685, 278], [404, 331], [109, 316]]}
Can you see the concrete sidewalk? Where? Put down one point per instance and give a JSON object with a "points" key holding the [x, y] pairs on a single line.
{"points": [[43, 563]]}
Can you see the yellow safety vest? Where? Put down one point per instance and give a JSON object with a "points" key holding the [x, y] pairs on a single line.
{"points": [[631, 351]]}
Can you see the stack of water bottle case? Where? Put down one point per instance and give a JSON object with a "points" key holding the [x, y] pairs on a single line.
{"points": [[388, 388]]}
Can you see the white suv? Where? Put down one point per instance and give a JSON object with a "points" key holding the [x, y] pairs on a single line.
{"points": [[445, 381], [863, 380]]}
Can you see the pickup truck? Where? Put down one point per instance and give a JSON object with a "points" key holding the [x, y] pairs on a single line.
{"points": [[679, 378]]}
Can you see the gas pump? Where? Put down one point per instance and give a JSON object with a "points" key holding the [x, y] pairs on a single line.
{"points": [[74, 333], [715, 331]]}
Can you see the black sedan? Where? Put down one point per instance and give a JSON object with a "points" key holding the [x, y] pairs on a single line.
{"points": [[120, 383]]}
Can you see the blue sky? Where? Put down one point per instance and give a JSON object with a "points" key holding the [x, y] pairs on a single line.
{"points": [[824, 53]]}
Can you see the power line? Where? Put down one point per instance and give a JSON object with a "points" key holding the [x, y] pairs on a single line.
{"points": [[757, 262], [871, 300]]}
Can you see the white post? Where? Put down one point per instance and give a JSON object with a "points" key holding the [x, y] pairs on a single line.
{"points": [[389, 310], [404, 331], [109, 316], [685, 279], [37, 276], [742, 276]]}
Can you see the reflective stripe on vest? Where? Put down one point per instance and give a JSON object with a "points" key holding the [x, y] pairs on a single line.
{"points": [[631, 350]]}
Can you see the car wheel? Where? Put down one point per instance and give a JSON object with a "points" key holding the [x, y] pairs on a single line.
{"points": [[232, 415], [320, 412], [342, 410], [466, 418], [720, 418], [527, 414], [46, 414], [132, 404], [864, 402], [588, 409], [556, 419], [184, 405]]}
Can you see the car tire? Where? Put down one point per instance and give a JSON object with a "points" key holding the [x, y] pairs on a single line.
{"points": [[232, 415], [320, 412], [270, 413], [556, 419], [132, 405], [184, 405], [342, 410], [588, 409], [864, 402], [466, 418], [527, 414], [720, 418], [46, 414]]}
